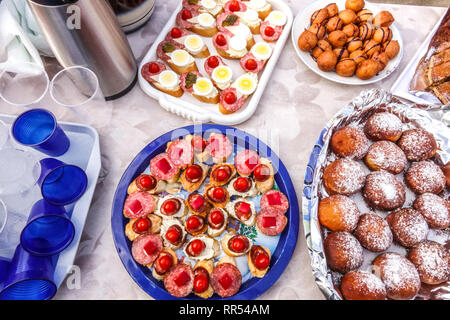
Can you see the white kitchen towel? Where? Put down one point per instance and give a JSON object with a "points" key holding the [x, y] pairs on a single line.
{"points": [[15, 47]]}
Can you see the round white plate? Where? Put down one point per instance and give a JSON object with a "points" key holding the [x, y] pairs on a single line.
{"points": [[302, 22]]}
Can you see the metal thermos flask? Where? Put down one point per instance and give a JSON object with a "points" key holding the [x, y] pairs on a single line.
{"points": [[87, 33]]}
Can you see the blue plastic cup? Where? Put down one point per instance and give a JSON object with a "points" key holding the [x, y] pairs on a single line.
{"points": [[48, 231], [29, 277], [61, 184], [37, 128]]}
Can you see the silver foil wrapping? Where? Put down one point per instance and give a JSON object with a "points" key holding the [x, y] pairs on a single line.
{"points": [[435, 119]]}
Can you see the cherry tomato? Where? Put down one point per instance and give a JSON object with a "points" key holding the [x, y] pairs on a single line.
{"points": [[193, 223], [175, 33], [197, 246], [153, 67], [269, 31], [165, 262], [262, 261], [170, 206], [234, 6], [222, 174], [147, 182], [213, 62], [218, 194], [201, 283], [241, 184], [237, 244], [230, 98], [251, 64], [261, 173], [186, 14], [221, 40], [217, 217], [172, 235], [194, 172], [141, 225], [198, 143]]}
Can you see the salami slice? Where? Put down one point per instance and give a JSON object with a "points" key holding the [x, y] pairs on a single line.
{"points": [[209, 70], [148, 74], [219, 147], [146, 248], [226, 280], [191, 5], [275, 199], [179, 282], [185, 23], [246, 161], [183, 33], [259, 63], [139, 204], [187, 78], [221, 47], [271, 221], [166, 47], [242, 6], [227, 19], [276, 35], [236, 106], [181, 152], [162, 167]]}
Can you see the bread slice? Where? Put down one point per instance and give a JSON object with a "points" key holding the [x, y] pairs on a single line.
{"points": [[226, 55], [202, 54], [205, 32], [177, 93], [255, 271], [211, 100], [268, 184], [208, 265], [158, 276], [185, 69]]}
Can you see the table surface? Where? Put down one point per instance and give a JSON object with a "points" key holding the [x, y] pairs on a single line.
{"points": [[289, 118]]}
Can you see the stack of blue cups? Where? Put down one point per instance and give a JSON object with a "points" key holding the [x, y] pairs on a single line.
{"points": [[49, 230]]}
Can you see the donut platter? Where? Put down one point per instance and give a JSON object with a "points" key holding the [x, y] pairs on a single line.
{"points": [[375, 202], [205, 212], [353, 46], [213, 59]]}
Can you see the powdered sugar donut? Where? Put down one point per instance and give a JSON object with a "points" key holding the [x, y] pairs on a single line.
{"points": [[343, 251], [349, 142], [373, 233], [435, 210], [408, 226], [398, 274], [384, 191], [362, 285], [418, 144], [386, 155], [425, 177], [344, 176], [338, 213], [432, 262], [383, 126]]}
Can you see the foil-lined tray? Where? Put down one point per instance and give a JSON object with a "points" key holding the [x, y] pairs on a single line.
{"points": [[433, 118]]}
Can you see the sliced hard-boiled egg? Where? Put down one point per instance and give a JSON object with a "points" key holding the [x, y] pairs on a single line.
{"points": [[257, 4], [180, 58], [277, 18], [251, 15], [240, 30], [168, 79], [246, 84], [193, 43], [261, 50], [203, 86], [238, 43], [208, 4], [206, 20], [222, 74]]}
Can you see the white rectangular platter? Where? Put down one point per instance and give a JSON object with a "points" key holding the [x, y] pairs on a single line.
{"points": [[189, 107], [401, 85], [84, 152]]}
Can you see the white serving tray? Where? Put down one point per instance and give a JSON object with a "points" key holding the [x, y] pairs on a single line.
{"points": [[190, 108], [84, 152], [401, 85], [302, 22]]}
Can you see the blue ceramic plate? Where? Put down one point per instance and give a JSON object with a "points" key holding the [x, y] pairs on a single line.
{"points": [[253, 287]]}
